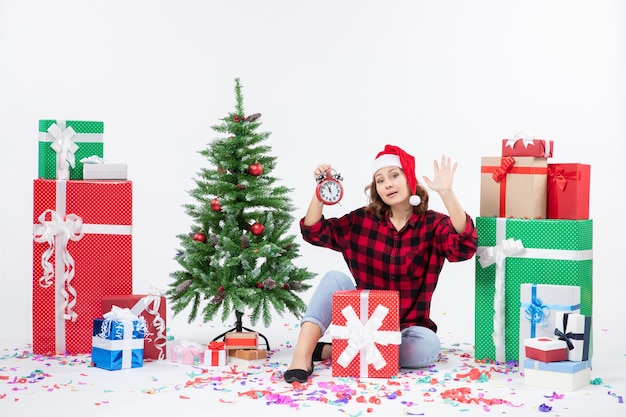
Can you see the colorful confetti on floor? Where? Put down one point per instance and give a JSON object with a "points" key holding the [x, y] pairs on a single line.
{"points": [[456, 383]]}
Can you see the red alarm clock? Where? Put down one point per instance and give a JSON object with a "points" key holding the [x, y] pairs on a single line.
{"points": [[329, 190]]}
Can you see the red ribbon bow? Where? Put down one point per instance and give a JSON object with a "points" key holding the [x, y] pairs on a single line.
{"points": [[505, 166], [216, 345], [557, 176]]}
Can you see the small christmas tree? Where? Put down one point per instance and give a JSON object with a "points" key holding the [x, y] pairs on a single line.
{"points": [[239, 254]]}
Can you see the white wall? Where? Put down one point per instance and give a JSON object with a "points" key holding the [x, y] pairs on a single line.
{"points": [[335, 81]]}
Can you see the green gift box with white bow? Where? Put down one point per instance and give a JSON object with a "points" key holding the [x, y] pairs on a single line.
{"points": [[512, 252], [67, 142]]}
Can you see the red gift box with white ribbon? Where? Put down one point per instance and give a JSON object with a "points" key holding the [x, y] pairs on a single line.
{"points": [[527, 146], [365, 333], [82, 252], [151, 307]]}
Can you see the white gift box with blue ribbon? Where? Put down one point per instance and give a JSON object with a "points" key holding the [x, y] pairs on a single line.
{"points": [[539, 304], [118, 340]]}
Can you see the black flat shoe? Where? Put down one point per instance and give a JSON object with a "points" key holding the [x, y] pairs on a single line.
{"points": [[317, 352], [298, 375]]}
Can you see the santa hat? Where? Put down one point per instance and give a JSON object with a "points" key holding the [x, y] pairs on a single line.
{"points": [[392, 156]]}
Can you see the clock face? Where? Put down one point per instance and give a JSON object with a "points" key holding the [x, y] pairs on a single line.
{"points": [[329, 191]]}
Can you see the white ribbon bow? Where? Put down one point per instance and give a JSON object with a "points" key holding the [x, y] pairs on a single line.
{"points": [[125, 316], [93, 159], [527, 138], [57, 233], [64, 147], [363, 337], [488, 255], [119, 313]]}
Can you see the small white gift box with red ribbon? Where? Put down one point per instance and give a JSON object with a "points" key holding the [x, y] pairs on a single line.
{"points": [[215, 354]]}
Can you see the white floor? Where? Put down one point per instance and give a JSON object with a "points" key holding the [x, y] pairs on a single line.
{"points": [[68, 386]]}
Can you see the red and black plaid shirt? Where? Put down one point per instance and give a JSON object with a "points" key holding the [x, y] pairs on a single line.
{"points": [[408, 261]]}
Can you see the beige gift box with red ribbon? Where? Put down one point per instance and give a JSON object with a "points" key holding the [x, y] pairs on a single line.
{"points": [[513, 187]]}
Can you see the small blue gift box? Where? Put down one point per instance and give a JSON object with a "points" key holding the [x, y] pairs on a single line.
{"points": [[118, 344]]}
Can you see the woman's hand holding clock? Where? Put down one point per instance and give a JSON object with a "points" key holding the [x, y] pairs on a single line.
{"points": [[329, 190]]}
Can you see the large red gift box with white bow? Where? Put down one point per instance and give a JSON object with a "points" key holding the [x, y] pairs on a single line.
{"points": [[82, 252], [365, 333]]}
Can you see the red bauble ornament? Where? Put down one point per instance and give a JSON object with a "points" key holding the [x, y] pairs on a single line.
{"points": [[255, 169], [215, 205], [199, 237], [257, 229], [259, 285]]}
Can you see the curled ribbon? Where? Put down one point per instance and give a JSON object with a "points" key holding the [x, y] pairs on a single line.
{"points": [[500, 172], [363, 337], [488, 255], [537, 312], [57, 232], [64, 147], [151, 305]]}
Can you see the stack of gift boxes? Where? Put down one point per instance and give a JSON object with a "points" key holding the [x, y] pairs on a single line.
{"points": [[534, 263], [82, 254], [237, 344]]}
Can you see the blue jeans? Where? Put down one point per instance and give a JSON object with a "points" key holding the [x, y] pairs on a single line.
{"points": [[420, 346]]}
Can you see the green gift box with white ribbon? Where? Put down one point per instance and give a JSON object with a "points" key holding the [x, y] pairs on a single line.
{"points": [[512, 252], [62, 145]]}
